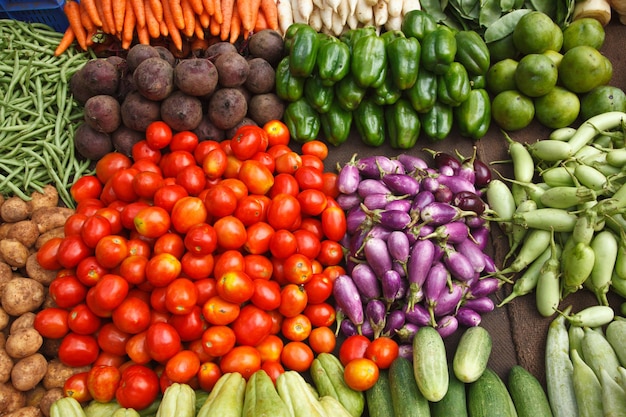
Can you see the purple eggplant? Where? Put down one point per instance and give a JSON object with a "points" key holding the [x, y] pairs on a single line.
{"points": [[406, 333], [402, 184], [483, 173], [405, 350], [473, 252], [393, 219], [371, 186], [357, 219], [401, 204], [456, 183], [443, 194], [443, 159], [375, 166], [349, 177], [355, 245], [447, 325], [393, 286], [366, 281], [466, 170], [418, 315], [436, 281], [379, 231], [411, 163], [367, 330], [376, 314], [480, 305], [484, 287], [380, 201], [474, 222], [399, 246], [420, 261], [348, 201], [395, 321], [468, 317], [347, 297], [377, 255], [490, 265], [459, 265], [448, 300], [430, 184], [480, 236], [348, 328], [447, 171], [469, 201], [441, 213], [453, 232], [421, 200], [399, 268]]}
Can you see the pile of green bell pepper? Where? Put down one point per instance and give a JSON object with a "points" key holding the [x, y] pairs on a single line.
{"points": [[395, 86]]}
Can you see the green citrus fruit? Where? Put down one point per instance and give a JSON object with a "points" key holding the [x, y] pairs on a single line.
{"points": [[559, 108], [585, 31], [536, 32], [512, 110], [555, 56], [536, 75], [501, 76], [502, 49], [584, 68], [602, 99]]}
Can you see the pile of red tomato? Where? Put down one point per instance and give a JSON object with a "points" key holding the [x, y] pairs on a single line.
{"points": [[195, 258]]}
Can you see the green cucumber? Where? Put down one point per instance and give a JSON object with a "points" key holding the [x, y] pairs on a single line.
{"points": [[406, 398], [527, 393], [472, 354], [430, 364], [454, 403], [488, 396], [379, 397]]}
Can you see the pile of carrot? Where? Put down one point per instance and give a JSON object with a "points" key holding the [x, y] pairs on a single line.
{"points": [[177, 20]]}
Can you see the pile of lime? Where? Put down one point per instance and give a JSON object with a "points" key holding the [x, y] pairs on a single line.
{"points": [[552, 74]]}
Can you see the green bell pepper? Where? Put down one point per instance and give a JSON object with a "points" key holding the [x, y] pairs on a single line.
{"points": [[403, 124], [473, 116], [333, 60], [453, 86], [302, 121], [369, 60], [336, 124], [478, 81], [438, 50], [349, 94], [404, 59], [350, 36], [437, 122], [290, 33], [390, 35], [318, 95], [387, 93], [472, 52], [303, 51], [369, 119], [418, 24], [288, 86], [423, 94]]}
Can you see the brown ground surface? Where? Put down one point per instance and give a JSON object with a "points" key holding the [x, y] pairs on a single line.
{"points": [[518, 331]]}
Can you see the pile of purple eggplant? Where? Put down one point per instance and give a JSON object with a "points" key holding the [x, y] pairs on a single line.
{"points": [[416, 239]]}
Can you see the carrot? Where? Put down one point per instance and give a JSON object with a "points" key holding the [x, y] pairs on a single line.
{"points": [[65, 42], [190, 18], [152, 24], [197, 6], [85, 20], [270, 12], [72, 11], [143, 36], [228, 10], [92, 11], [130, 22], [140, 12], [198, 31], [165, 32], [119, 12], [205, 19], [248, 11], [105, 27], [208, 6], [236, 26], [174, 31], [107, 12], [157, 9], [261, 22], [176, 12], [215, 27], [219, 14]]}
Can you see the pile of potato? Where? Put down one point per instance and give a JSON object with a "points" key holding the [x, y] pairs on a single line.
{"points": [[30, 376]]}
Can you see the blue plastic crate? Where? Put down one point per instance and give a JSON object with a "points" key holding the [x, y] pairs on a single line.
{"points": [[49, 12]]}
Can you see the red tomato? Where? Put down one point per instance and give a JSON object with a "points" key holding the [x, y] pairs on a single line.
{"points": [[201, 239], [284, 184], [81, 320], [334, 223], [132, 315], [250, 210], [353, 347], [247, 141], [168, 195], [266, 294], [307, 243], [218, 311], [122, 184], [208, 375], [89, 206], [258, 266], [288, 162], [112, 340], [203, 148], [284, 212], [76, 387], [270, 348], [78, 350], [138, 388], [136, 349], [162, 269], [187, 212], [243, 359], [298, 269], [162, 341], [181, 296], [319, 288], [74, 223], [111, 163], [189, 326], [230, 260], [322, 340], [297, 356], [235, 286], [316, 148], [184, 141], [331, 253], [89, 271], [110, 291], [158, 134], [220, 200], [47, 254], [51, 322], [67, 291], [236, 185], [114, 217], [146, 183], [258, 238], [72, 250], [309, 178], [87, 186], [266, 160], [102, 382], [218, 340], [330, 187], [129, 211], [277, 132], [383, 351], [111, 250], [207, 288], [215, 163], [171, 243], [95, 228], [197, 266], [273, 369], [283, 244], [256, 176], [173, 162], [293, 300], [312, 201], [231, 232], [182, 367], [296, 328], [192, 178], [152, 221], [142, 151], [252, 325], [133, 269]]}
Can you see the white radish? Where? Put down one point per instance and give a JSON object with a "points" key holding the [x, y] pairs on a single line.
{"points": [[394, 23], [334, 4], [408, 5], [352, 4], [338, 24], [380, 13], [306, 8], [343, 11], [352, 21], [371, 3], [394, 8], [285, 15], [326, 16], [315, 19], [364, 12]]}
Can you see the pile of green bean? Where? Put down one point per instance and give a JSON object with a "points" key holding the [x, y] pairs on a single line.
{"points": [[563, 213], [37, 112]]}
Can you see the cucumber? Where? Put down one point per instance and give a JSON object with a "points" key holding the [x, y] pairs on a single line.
{"points": [[472, 354], [488, 396], [454, 403], [430, 364], [527, 393], [406, 398], [379, 397]]}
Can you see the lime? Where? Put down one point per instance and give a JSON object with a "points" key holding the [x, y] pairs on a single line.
{"points": [[536, 74], [602, 99], [584, 31], [536, 32], [511, 110], [501, 76], [555, 56], [584, 68], [558, 108], [502, 49]]}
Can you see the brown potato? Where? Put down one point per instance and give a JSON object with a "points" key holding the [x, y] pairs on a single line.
{"points": [[23, 343], [4, 229], [11, 399], [57, 373], [29, 371], [14, 210], [28, 411], [21, 295], [25, 321], [6, 275], [48, 218], [35, 271], [4, 319], [50, 348], [26, 231], [34, 396], [48, 198], [13, 252], [6, 364], [48, 399]]}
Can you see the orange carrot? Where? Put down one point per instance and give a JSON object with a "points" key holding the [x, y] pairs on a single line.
{"points": [[261, 22], [130, 22], [140, 12], [219, 14], [105, 26], [107, 12], [197, 6], [142, 35], [248, 11], [152, 25], [236, 26], [157, 9], [92, 11], [215, 27], [190, 18], [65, 42], [119, 12], [205, 19], [176, 11], [198, 30], [208, 6], [270, 12], [174, 31], [72, 11], [165, 32], [85, 20], [228, 10]]}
